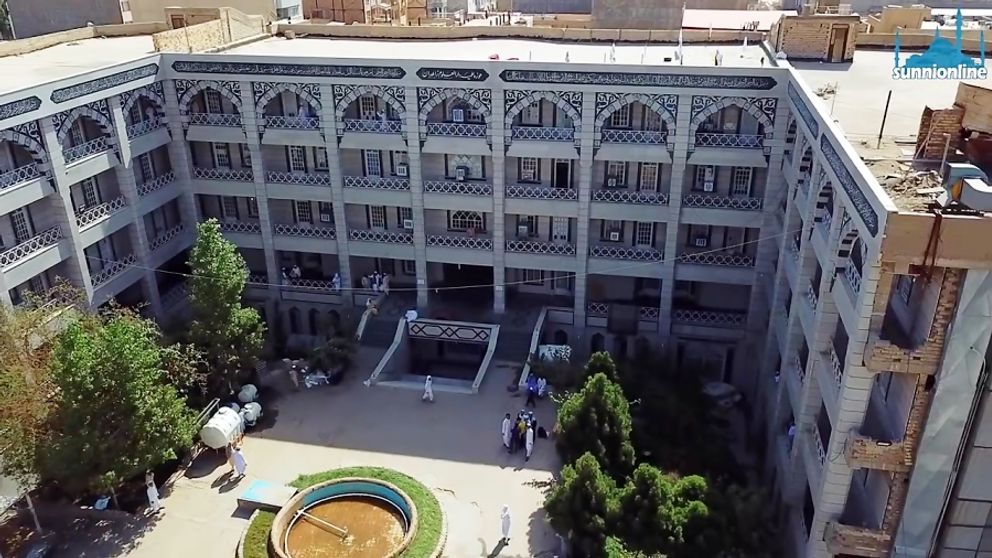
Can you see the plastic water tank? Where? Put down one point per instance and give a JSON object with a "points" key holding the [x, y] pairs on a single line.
{"points": [[251, 413], [248, 393], [222, 428]]}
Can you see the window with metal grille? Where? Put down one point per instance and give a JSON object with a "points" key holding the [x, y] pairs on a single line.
{"points": [[20, 220], [528, 221], [373, 163], [531, 115], [222, 157], [297, 159], [741, 184], [211, 99], [403, 214], [409, 267], [473, 166], [303, 212], [146, 166], [649, 177], [377, 216], [135, 112], [617, 171], [534, 277], [320, 158], [91, 193], [367, 107], [644, 234], [621, 118], [465, 220], [229, 207], [326, 210], [76, 134], [396, 159], [253, 208], [245, 155], [529, 169], [652, 121], [611, 231]]}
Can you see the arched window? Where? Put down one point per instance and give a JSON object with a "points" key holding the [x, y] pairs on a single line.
{"points": [[561, 338], [597, 344], [465, 220], [294, 320], [312, 317], [333, 320]]}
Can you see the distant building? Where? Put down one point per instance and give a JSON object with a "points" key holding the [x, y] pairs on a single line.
{"points": [[154, 10], [652, 14], [546, 6], [30, 18]]}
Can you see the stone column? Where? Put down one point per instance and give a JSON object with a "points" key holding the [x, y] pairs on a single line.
{"points": [[586, 149], [329, 127], [179, 156], [129, 189], [680, 155], [498, 141], [417, 196]]}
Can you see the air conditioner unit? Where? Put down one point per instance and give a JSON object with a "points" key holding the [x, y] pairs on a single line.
{"points": [[461, 173], [408, 224], [527, 175], [702, 242], [326, 217], [523, 231], [708, 187], [614, 236], [611, 182], [458, 115], [402, 169]]}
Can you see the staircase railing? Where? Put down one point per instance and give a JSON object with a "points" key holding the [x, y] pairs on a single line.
{"points": [[535, 340]]}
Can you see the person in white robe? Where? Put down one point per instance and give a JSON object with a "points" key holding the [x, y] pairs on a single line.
{"points": [[154, 504], [507, 431], [240, 465], [505, 524], [529, 442], [428, 390]]}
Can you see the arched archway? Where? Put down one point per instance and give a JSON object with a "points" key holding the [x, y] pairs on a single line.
{"points": [[304, 91], [597, 343], [200, 86], [341, 104], [749, 106], [294, 320], [85, 111], [653, 103], [21, 138], [313, 320], [333, 320], [553, 97], [561, 338], [469, 97]]}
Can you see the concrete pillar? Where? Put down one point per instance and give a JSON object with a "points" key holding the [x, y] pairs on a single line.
{"points": [[498, 142], [417, 196], [586, 148], [680, 156], [329, 127], [179, 155]]}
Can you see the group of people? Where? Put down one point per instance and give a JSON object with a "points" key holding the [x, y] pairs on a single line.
{"points": [[537, 388], [293, 273], [378, 282], [520, 433]]}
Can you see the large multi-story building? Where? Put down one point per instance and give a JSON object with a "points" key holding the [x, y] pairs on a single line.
{"points": [[709, 203]]}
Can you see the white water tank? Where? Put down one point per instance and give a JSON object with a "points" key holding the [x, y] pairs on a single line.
{"points": [[222, 428]]}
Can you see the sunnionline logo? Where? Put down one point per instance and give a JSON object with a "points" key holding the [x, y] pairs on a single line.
{"points": [[943, 59]]}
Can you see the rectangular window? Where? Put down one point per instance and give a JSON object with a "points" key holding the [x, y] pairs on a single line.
{"points": [[644, 234], [705, 179], [396, 159], [621, 118], [367, 107], [529, 170], [135, 112], [222, 157], [20, 220], [649, 177], [531, 116], [245, 155], [526, 226], [91, 193], [253, 208], [297, 158], [534, 277], [373, 163], [229, 207], [302, 212], [741, 184], [611, 231], [616, 174], [326, 210], [76, 133], [320, 158], [652, 120], [146, 166], [212, 100], [403, 214], [377, 217], [409, 267], [698, 237]]}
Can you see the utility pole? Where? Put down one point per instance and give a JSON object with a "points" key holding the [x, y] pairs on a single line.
{"points": [[885, 115]]}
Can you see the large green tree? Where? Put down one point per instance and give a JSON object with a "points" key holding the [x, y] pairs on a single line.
{"points": [[115, 413], [597, 420], [601, 363], [582, 506], [656, 508], [741, 524], [229, 335]]}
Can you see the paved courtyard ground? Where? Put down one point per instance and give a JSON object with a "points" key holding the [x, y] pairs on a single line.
{"points": [[452, 446]]}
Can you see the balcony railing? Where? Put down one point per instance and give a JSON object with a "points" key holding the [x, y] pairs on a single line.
{"points": [[643, 137], [627, 196], [853, 279], [597, 309], [313, 285], [538, 247], [165, 238], [327, 233], [637, 254], [836, 366], [240, 227], [30, 246], [93, 214], [368, 235], [373, 126], [794, 248], [717, 258], [648, 313], [92, 147], [541, 193], [460, 188], [292, 122], [19, 175], [799, 369], [456, 129], [745, 141], [215, 119], [377, 182], [298, 178], [709, 201], [709, 318], [812, 296], [143, 127], [821, 452], [156, 183], [220, 173], [111, 270], [450, 241], [542, 133]]}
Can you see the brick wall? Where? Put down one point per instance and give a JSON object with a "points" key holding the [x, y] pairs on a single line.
{"points": [[808, 37], [31, 18], [935, 125], [652, 14]]}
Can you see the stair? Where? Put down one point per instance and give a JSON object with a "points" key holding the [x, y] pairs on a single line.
{"points": [[379, 332], [513, 346]]}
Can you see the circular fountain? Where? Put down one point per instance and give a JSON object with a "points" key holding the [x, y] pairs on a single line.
{"points": [[345, 518]]}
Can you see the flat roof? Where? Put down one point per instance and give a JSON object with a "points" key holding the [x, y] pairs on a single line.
{"points": [[481, 49], [733, 20], [69, 59]]}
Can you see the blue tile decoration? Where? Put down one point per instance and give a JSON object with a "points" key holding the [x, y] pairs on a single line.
{"points": [[804, 111], [452, 74], [297, 70], [99, 84], [425, 95], [19, 107], [343, 92], [850, 186], [260, 88], [632, 79], [765, 105]]}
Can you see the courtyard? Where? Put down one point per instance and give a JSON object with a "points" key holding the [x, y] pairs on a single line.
{"points": [[453, 446]]}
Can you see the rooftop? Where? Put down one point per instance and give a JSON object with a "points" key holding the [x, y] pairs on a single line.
{"points": [[68, 59], [733, 19]]}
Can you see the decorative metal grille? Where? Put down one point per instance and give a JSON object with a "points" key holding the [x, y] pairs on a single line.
{"points": [[112, 270], [327, 233], [310, 284], [542, 133], [302, 178], [93, 214], [214, 119], [836, 366], [235, 175], [625, 253], [156, 183], [366, 235], [744, 141], [165, 238], [717, 258], [853, 279], [597, 309], [459, 242], [377, 182], [799, 369], [713, 318], [440, 330], [627, 196], [239, 227], [91, 147], [373, 126], [143, 127], [721, 202], [18, 175], [456, 129], [649, 313], [453, 187], [536, 247], [34, 244], [292, 122], [821, 453], [811, 296], [643, 137], [541, 193]]}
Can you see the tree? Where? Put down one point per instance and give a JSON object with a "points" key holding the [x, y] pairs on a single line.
{"points": [[229, 335], [582, 505], [115, 415], [656, 508], [741, 524], [602, 363], [597, 420]]}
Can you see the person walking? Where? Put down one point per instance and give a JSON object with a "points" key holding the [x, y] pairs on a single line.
{"points": [[529, 440], [505, 524], [240, 465], [507, 431], [428, 390], [531, 392], [154, 504]]}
